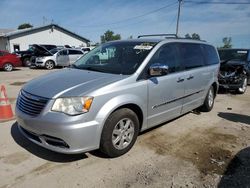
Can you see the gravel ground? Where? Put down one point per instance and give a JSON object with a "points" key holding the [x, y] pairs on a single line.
{"points": [[195, 150]]}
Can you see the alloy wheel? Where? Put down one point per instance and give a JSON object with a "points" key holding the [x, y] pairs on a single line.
{"points": [[123, 133]]}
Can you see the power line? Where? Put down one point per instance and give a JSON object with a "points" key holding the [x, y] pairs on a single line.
{"points": [[129, 24], [132, 18], [217, 2]]}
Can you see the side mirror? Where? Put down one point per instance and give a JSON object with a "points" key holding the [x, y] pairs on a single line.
{"points": [[158, 70]]}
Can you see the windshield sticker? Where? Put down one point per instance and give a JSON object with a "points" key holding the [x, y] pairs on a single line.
{"points": [[143, 47], [242, 52]]}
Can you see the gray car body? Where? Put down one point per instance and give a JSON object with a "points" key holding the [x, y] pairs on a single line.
{"points": [[154, 98]]}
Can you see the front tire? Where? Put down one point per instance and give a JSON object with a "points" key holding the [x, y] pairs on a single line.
{"points": [[209, 101], [8, 67], [49, 65], [243, 87], [119, 132], [26, 62]]}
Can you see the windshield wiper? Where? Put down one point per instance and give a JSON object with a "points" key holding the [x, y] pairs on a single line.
{"points": [[92, 69], [73, 66]]}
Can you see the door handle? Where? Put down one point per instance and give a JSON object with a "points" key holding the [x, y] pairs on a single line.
{"points": [[190, 77], [180, 80]]}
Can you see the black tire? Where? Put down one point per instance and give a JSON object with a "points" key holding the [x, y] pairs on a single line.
{"points": [[49, 64], [26, 62], [8, 67], [108, 138], [209, 101], [243, 88]]}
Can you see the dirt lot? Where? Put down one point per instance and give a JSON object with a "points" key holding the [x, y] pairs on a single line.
{"points": [[195, 150]]}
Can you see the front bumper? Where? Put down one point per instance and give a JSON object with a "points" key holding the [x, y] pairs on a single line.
{"points": [[39, 63], [230, 83], [59, 132], [230, 86]]}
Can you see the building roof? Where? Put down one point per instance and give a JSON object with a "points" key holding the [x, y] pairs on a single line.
{"points": [[3, 32], [21, 32]]}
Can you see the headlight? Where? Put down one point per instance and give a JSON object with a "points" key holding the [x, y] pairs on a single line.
{"points": [[73, 105], [40, 58]]}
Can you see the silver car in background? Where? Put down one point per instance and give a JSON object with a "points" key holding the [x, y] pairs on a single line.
{"points": [[116, 91], [59, 57]]}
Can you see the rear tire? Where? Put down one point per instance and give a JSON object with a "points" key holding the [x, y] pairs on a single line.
{"points": [[209, 101], [8, 67], [49, 65], [119, 132], [243, 87]]}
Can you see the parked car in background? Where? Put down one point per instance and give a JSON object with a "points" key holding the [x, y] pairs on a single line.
{"points": [[8, 61], [35, 50], [235, 69], [85, 49], [105, 103], [58, 57]]}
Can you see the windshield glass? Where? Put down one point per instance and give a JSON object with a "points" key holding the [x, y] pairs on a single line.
{"points": [[233, 54], [53, 51], [115, 57]]}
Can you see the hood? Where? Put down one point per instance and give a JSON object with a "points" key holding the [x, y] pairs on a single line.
{"points": [[40, 50], [69, 82], [233, 62]]}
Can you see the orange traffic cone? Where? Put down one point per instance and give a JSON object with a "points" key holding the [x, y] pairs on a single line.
{"points": [[5, 107]]}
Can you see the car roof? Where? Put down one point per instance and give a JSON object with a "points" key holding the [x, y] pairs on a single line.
{"points": [[158, 40], [70, 49]]}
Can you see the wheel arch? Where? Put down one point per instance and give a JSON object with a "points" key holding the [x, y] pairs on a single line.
{"points": [[215, 87], [7, 63], [136, 109], [51, 60], [134, 103]]}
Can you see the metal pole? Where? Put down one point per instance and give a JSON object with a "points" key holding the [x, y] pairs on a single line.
{"points": [[178, 17]]}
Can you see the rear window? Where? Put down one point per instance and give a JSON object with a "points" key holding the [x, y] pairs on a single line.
{"points": [[211, 57], [191, 55]]}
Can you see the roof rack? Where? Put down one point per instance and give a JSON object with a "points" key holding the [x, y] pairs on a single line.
{"points": [[159, 35], [169, 36]]}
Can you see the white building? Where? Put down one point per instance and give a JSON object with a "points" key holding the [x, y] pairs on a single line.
{"points": [[49, 34]]}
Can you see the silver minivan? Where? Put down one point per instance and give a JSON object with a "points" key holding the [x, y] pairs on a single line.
{"points": [[116, 91]]}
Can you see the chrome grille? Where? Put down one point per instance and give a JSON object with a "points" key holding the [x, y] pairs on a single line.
{"points": [[31, 104]]}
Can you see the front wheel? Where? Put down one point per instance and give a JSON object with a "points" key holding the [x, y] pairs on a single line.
{"points": [[119, 132], [8, 67], [49, 65], [243, 87], [209, 101]]}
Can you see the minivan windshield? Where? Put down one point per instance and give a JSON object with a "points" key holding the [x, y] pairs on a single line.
{"points": [[123, 57], [233, 54]]}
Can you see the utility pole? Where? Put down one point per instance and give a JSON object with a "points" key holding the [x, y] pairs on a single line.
{"points": [[178, 17]]}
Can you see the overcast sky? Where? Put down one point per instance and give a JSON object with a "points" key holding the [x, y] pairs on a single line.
{"points": [[92, 18]]}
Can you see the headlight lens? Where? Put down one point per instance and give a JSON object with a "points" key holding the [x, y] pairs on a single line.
{"points": [[73, 105]]}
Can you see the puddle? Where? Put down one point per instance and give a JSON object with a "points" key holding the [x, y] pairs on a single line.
{"points": [[18, 83]]}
